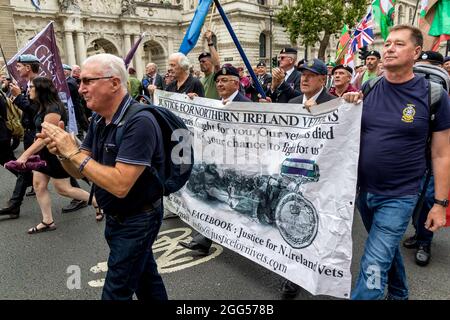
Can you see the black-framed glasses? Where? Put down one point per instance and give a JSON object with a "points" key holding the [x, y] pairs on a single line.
{"points": [[87, 81]]}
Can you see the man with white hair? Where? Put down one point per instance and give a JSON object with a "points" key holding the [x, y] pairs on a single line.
{"points": [[125, 177], [184, 82], [152, 80]]}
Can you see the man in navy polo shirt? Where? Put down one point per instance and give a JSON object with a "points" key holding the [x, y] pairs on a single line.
{"points": [[125, 186], [394, 132]]}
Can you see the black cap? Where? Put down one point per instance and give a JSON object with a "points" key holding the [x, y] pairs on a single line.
{"points": [[343, 66], [288, 50], [204, 55], [316, 66], [446, 59], [261, 64], [374, 53], [227, 70], [431, 56]]}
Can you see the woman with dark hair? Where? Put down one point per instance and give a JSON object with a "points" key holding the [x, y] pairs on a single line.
{"points": [[52, 110]]}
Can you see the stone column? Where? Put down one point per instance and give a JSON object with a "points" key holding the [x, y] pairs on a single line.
{"points": [[81, 47], [127, 46], [138, 58], [70, 49]]}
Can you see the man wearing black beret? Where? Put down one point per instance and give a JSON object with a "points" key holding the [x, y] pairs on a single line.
{"points": [[264, 78], [342, 76], [372, 62], [284, 77]]}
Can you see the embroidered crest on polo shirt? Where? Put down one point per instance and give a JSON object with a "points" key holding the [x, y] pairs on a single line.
{"points": [[408, 113]]}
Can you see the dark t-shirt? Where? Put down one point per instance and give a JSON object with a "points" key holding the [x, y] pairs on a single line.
{"points": [[191, 85], [394, 132], [141, 144], [40, 116]]}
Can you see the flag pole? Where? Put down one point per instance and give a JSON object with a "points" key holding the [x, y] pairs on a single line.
{"points": [[238, 46], [212, 15], [415, 12], [6, 62]]}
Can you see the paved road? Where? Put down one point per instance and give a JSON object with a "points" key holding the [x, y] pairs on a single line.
{"points": [[41, 266]]}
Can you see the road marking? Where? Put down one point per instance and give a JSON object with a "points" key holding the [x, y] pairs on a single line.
{"points": [[171, 258]]}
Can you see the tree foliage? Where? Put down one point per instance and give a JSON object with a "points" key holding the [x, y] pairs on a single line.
{"points": [[316, 20]]}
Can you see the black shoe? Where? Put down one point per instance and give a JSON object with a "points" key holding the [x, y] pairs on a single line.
{"points": [[13, 211], [31, 193], [290, 289], [423, 255], [411, 242], [194, 246], [74, 205]]}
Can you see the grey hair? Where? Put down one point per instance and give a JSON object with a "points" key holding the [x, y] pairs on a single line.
{"points": [[110, 65], [152, 64], [182, 60]]}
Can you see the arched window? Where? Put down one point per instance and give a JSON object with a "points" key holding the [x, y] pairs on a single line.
{"points": [[411, 15], [262, 45], [401, 14]]}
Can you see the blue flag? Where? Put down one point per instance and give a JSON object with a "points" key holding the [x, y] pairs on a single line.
{"points": [[193, 32]]}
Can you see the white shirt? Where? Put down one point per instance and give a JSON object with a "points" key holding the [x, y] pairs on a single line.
{"points": [[314, 97], [288, 73], [230, 98]]}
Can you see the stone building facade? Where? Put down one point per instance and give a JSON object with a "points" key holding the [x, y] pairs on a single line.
{"points": [[86, 27]]}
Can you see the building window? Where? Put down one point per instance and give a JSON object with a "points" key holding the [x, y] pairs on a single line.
{"points": [[411, 15], [401, 14], [262, 2], [262, 45]]}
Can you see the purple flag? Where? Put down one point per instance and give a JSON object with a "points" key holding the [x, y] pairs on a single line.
{"points": [[44, 47], [130, 54]]}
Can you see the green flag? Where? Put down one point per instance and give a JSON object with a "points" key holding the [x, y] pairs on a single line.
{"points": [[383, 11]]}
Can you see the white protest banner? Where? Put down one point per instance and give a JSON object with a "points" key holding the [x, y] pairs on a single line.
{"points": [[275, 183]]}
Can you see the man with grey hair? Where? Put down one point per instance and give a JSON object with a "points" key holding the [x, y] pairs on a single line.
{"points": [[152, 80], [124, 175], [184, 81]]}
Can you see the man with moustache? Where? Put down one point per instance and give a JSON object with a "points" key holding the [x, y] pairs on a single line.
{"points": [[372, 71]]}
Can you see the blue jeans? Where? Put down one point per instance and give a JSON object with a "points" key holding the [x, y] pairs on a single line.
{"points": [[385, 219], [131, 265], [424, 236]]}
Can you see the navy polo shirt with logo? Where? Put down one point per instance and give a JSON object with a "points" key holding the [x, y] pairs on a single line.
{"points": [[141, 144], [394, 132]]}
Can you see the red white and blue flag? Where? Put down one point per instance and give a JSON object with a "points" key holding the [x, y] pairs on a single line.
{"points": [[363, 34]]}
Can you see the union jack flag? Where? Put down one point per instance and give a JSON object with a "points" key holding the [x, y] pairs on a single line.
{"points": [[363, 34]]}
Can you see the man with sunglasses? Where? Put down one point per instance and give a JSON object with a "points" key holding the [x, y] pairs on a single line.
{"points": [[285, 77], [125, 176]]}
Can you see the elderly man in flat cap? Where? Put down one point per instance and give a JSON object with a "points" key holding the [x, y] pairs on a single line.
{"points": [[27, 67], [342, 76], [373, 60]]}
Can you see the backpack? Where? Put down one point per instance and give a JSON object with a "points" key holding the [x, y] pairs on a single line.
{"points": [[434, 74], [176, 174], [14, 117]]}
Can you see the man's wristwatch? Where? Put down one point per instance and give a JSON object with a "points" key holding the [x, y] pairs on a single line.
{"points": [[443, 203], [210, 44]]}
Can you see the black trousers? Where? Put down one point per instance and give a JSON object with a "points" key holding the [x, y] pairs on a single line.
{"points": [[25, 179]]}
